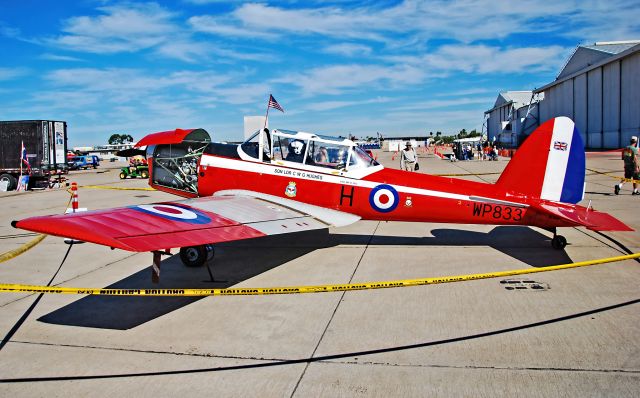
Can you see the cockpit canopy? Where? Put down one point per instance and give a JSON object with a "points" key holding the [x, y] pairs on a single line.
{"points": [[281, 146]]}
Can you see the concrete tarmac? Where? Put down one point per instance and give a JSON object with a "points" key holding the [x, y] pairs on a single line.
{"points": [[575, 334]]}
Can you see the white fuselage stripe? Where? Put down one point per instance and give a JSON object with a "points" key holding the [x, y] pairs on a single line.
{"points": [[283, 171], [558, 159]]}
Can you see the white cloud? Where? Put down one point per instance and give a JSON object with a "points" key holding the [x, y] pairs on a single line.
{"points": [[414, 22], [487, 59], [330, 105], [330, 21], [185, 50], [242, 94], [466, 92], [12, 73], [406, 71], [57, 57], [122, 86], [348, 49], [437, 104], [121, 28], [338, 78], [219, 26]]}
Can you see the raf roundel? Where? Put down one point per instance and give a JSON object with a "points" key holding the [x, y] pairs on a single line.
{"points": [[174, 213], [384, 198]]}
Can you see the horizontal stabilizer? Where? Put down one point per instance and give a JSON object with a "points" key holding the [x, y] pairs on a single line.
{"points": [[581, 216]]}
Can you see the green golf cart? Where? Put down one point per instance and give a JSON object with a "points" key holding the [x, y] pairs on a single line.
{"points": [[140, 170]]}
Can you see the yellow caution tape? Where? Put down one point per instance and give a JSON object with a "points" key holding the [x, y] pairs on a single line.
{"points": [[16, 252], [27, 246], [251, 291], [608, 174], [115, 188]]}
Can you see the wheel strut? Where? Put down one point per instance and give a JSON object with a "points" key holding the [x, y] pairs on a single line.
{"points": [[155, 267]]}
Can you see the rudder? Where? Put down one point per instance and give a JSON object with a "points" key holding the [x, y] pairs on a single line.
{"points": [[549, 165]]}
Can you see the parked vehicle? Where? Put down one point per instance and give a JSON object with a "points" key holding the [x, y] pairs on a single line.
{"points": [[45, 142], [83, 162], [134, 171]]}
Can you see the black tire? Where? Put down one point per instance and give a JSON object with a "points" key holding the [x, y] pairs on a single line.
{"points": [[559, 242], [144, 174], [12, 182], [196, 256], [122, 175]]}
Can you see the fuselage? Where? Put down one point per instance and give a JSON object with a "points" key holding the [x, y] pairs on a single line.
{"points": [[358, 186], [385, 194]]}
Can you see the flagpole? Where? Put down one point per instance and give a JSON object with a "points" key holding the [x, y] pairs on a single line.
{"points": [[267, 115]]}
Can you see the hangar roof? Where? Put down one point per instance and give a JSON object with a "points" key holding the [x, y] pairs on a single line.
{"points": [[589, 57], [515, 98], [612, 47]]}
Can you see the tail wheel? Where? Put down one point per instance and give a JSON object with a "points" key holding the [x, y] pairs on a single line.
{"points": [[144, 174], [196, 256], [122, 175], [559, 242]]}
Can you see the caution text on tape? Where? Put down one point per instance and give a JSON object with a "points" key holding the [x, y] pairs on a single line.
{"points": [[16, 288]]}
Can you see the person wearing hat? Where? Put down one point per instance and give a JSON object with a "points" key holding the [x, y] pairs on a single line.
{"points": [[408, 158], [631, 166]]}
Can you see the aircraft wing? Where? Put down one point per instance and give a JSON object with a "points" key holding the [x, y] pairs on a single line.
{"points": [[581, 216], [228, 216]]}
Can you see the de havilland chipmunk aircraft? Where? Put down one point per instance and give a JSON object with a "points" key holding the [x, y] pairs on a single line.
{"points": [[283, 181]]}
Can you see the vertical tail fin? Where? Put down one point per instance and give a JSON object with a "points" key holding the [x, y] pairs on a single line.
{"points": [[549, 165]]}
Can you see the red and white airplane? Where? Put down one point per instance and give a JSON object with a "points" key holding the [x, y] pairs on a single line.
{"points": [[284, 181]]}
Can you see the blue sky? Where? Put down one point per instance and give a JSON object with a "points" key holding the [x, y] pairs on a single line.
{"points": [[337, 67]]}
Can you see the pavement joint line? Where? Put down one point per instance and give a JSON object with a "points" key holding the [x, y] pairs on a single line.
{"points": [[304, 371], [330, 362], [477, 367], [325, 357], [155, 352]]}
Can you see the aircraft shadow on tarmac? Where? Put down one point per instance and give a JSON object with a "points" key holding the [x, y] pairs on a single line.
{"points": [[238, 261]]}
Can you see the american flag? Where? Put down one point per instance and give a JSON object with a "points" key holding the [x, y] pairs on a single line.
{"points": [[274, 104], [23, 157], [560, 146]]}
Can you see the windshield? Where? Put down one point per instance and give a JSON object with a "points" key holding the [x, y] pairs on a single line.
{"points": [[252, 145], [360, 159]]}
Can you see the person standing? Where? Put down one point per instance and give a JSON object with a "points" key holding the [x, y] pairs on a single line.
{"points": [[631, 166], [408, 158]]}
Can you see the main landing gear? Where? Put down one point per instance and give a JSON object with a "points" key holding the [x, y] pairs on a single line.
{"points": [[196, 256], [558, 242], [191, 256]]}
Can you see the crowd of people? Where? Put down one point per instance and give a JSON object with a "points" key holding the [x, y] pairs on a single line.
{"points": [[461, 151]]}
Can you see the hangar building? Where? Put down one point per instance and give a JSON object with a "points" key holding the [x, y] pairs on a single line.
{"points": [[598, 87], [514, 115]]}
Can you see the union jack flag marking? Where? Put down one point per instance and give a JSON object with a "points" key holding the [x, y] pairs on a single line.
{"points": [[560, 146]]}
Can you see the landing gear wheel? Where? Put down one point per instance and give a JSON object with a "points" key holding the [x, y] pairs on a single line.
{"points": [[558, 242], [196, 256], [123, 176]]}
